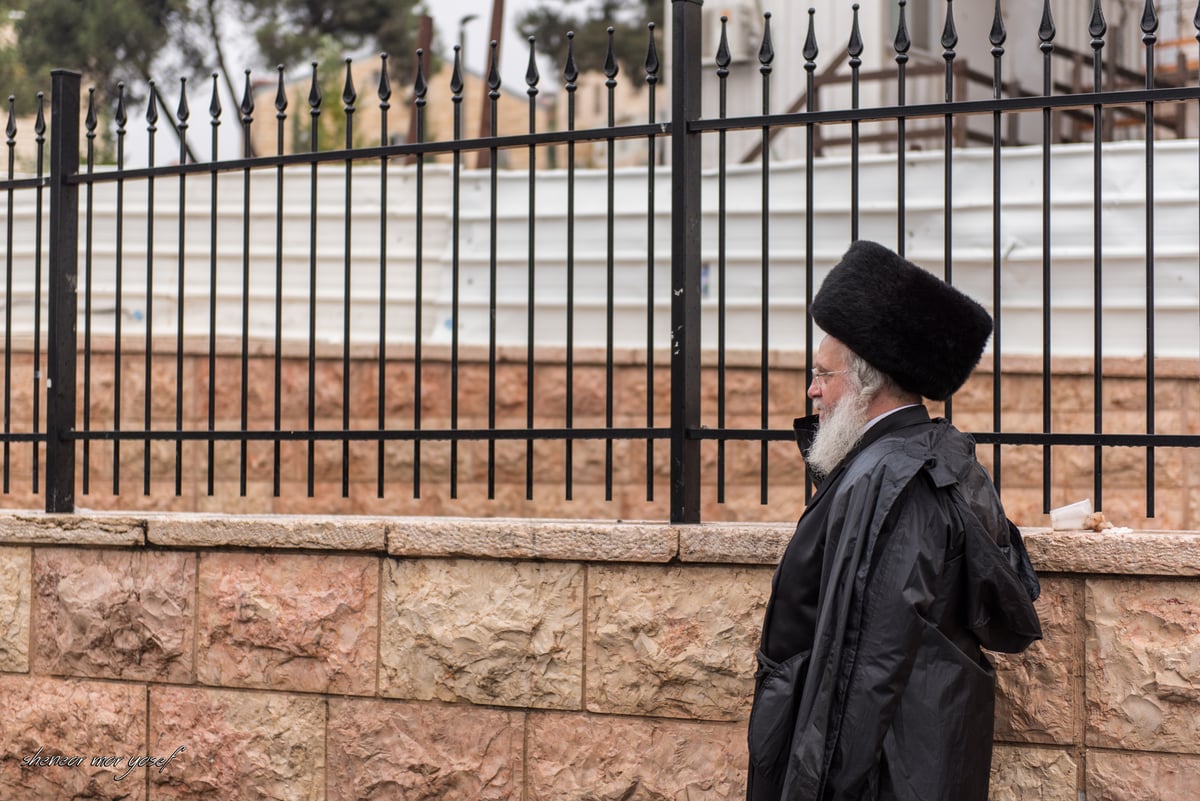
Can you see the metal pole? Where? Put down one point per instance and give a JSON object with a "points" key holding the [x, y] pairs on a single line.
{"points": [[685, 262], [64, 275]]}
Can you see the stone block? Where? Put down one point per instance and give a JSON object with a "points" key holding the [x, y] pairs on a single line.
{"points": [[1142, 777], [731, 543], [504, 633], [1160, 553], [90, 529], [71, 720], [397, 749], [288, 622], [1037, 691], [674, 642], [239, 745], [1143, 666], [16, 580], [1023, 773], [604, 758], [348, 533], [507, 538], [114, 614]]}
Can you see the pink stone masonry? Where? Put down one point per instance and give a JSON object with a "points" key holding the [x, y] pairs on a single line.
{"points": [[114, 614], [424, 751], [288, 622], [52, 730]]}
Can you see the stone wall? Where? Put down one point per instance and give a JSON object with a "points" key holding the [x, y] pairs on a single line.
{"points": [[419, 484], [379, 658]]}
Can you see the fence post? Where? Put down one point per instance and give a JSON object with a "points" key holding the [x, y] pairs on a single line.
{"points": [[685, 261], [64, 275]]}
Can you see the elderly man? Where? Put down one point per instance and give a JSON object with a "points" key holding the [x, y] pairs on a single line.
{"points": [[872, 682]]}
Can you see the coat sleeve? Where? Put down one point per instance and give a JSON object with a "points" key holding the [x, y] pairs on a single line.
{"points": [[900, 584]]}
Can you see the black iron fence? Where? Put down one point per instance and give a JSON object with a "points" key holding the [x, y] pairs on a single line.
{"points": [[81, 242]]}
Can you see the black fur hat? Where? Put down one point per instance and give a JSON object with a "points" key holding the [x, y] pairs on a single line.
{"points": [[902, 320]]}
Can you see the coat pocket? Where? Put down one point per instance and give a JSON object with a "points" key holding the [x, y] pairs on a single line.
{"points": [[773, 716]]}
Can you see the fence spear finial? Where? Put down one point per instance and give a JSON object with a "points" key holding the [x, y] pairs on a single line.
{"points": [[570, 70], [766, 51], [949, 33], [39, 122], [810, 42], [652, 63], [724, 57], [998, 34], [349, 94], [611, 67], [532, 76], [903, 40], [281, 98], [385, 83], [855, 46]]}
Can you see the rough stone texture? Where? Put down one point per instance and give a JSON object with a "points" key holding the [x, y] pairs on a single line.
{"points": [[16, 571], [240, 745], [114, 614], [1163, 553], [1143, 665], [70, 718], [347, 533], [83, 529], [658, 645], [603, 758], [733, 543], [423, 752], [1142, 777], [288, 622], [1033, 774], [526, 539], [486, 632], [1037, 691]]}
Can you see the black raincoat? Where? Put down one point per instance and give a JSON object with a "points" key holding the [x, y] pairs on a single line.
{"points": [[872, 683]]}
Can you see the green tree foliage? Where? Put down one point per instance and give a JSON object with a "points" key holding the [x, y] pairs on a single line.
{"points": [[108, 40], [549, 23], [292, 31]]}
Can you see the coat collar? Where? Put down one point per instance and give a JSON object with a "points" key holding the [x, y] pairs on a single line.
{"points": [[806, 428]]}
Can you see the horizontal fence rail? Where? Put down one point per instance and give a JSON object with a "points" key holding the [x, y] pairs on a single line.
{"points": [[604, 293]]}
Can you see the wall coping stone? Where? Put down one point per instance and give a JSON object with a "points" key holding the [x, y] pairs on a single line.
{"points": [[1113, 552]]}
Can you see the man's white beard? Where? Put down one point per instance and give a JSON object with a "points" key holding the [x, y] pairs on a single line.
{"points": [[837, 434]]}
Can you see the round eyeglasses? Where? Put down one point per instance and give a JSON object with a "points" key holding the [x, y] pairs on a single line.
{"points": [[821, 375]]}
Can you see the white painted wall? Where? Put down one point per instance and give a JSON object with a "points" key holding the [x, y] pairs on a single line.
{"points": [[1176, 270]]}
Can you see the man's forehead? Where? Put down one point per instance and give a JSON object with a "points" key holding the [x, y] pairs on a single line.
{"points": [[831, 352]]}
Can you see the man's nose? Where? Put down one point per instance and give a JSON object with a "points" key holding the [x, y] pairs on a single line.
{"points": [[813, 390]]}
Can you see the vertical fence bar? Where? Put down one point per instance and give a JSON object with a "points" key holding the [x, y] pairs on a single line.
{"points": [[766, 55], [1149, 30], [570, 75], [1046, 38], [64, 266], [1097, 28], [89, 124], [456, 90], [182, 114], [214, 114], [349, 96], [901, 45], [855, 49], [949, 42], [247, 117], [724, 58], [420, 88], [531, 81], [810, 134], [118, 291], [610, 70], [281, 104], [385, 94], [147, 405], [997, 38], [652, 67], [685, 262], [11, 143], [314, 113], [493, 84], [39, 130]]}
